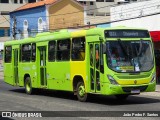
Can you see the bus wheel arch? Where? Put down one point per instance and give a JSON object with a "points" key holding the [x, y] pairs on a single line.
{"points": [[28, 84], [79, 88]]}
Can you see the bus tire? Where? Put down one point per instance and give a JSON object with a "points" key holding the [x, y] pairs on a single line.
{"points": [[81, 93], [28, 86], [122, 97]]}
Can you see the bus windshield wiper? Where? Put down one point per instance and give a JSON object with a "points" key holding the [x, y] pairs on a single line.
{"points": [[140, 47], [123, 47]]}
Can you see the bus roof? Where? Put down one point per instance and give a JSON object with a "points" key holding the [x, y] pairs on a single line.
{"points": [[62, 34]]}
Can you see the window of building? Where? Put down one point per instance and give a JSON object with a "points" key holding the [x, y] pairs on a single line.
{"points": [[109, 0], [99, 0], [8, 54], [4, 1], [25, 23], [15, 1], [26, 52], [40, 20], [83, 2], [63, 50], [91, 3], [78, 49], [2, 31], [31, 1], [51, 50], [21, 1]]}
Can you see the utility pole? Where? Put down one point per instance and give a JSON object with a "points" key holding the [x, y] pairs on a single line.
{"points": [[14, 28]]}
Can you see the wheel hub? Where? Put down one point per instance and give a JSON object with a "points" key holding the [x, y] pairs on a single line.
{"points": [[81, 91]]}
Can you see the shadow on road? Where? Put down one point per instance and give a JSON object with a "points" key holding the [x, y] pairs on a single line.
{"points": [[5, 118], [98, 99]]}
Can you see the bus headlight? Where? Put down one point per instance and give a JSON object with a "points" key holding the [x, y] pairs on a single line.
{"points": [[153, 78], [112, 80]]}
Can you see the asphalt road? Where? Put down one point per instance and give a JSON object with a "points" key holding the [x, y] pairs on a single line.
{"points": [[15, 99]]}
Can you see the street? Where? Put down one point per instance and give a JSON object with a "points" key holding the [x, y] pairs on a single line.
{"points": [[15, 99]]}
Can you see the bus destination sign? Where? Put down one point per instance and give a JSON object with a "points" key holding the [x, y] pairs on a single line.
{"points": [[126, 34]]}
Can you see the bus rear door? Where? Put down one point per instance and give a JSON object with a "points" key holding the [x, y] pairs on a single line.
{"points": [[42, 66]]}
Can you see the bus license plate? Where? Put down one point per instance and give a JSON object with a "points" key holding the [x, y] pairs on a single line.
{"points": [[135, 91]]}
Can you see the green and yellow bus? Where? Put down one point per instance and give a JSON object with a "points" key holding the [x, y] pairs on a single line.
{"points": [[112, 61]]}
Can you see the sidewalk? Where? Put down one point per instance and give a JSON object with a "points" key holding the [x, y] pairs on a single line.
{"points": [[1, 75]]}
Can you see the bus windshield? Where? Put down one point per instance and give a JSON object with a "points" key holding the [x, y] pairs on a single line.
{"points": [[129, 56]]}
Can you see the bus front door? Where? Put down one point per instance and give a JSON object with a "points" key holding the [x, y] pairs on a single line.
{"points": [[42, 63], [16, 79], [94, 67]]}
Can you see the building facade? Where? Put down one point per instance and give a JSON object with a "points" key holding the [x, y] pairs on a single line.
{"points": [[7, 6], [66, 14], [46, 15], [98, 11], [145, 14]]}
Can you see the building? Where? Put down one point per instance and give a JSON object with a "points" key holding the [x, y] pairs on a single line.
{"points": [[4, 15], [45, 15], [98, 11], [145, 14]]}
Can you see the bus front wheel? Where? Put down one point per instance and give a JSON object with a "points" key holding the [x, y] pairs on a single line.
{"points": [[81, 93], [28, 86]]}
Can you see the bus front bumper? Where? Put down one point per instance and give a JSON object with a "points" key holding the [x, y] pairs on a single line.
{"points": [[127, 89]]}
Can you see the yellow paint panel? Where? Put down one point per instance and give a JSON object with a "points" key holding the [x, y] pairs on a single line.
{"points": [[78, 33], [132, 82], [78, 68]]}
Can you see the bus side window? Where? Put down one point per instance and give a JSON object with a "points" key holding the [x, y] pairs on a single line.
{"points": [[63, 50], [26, 52], [78, 49], [51, 50], [8, 54]]}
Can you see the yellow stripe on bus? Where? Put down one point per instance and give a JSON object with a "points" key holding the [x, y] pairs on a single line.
{"points": [[78, 33], [133, 82]]}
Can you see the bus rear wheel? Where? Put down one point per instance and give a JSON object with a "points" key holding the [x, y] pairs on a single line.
{"points": [[28, 86], [81, 93]]}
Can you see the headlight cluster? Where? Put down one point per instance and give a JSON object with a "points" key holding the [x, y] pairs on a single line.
{"points": [[153, 78], [112, 80]]}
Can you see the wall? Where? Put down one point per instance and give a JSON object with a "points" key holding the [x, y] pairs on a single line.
{"points": [[99, 8], [31, 15], [59, 18], [144, 14]]}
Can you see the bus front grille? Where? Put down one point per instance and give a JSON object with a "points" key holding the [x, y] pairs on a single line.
{"points": [[129, 89]]}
